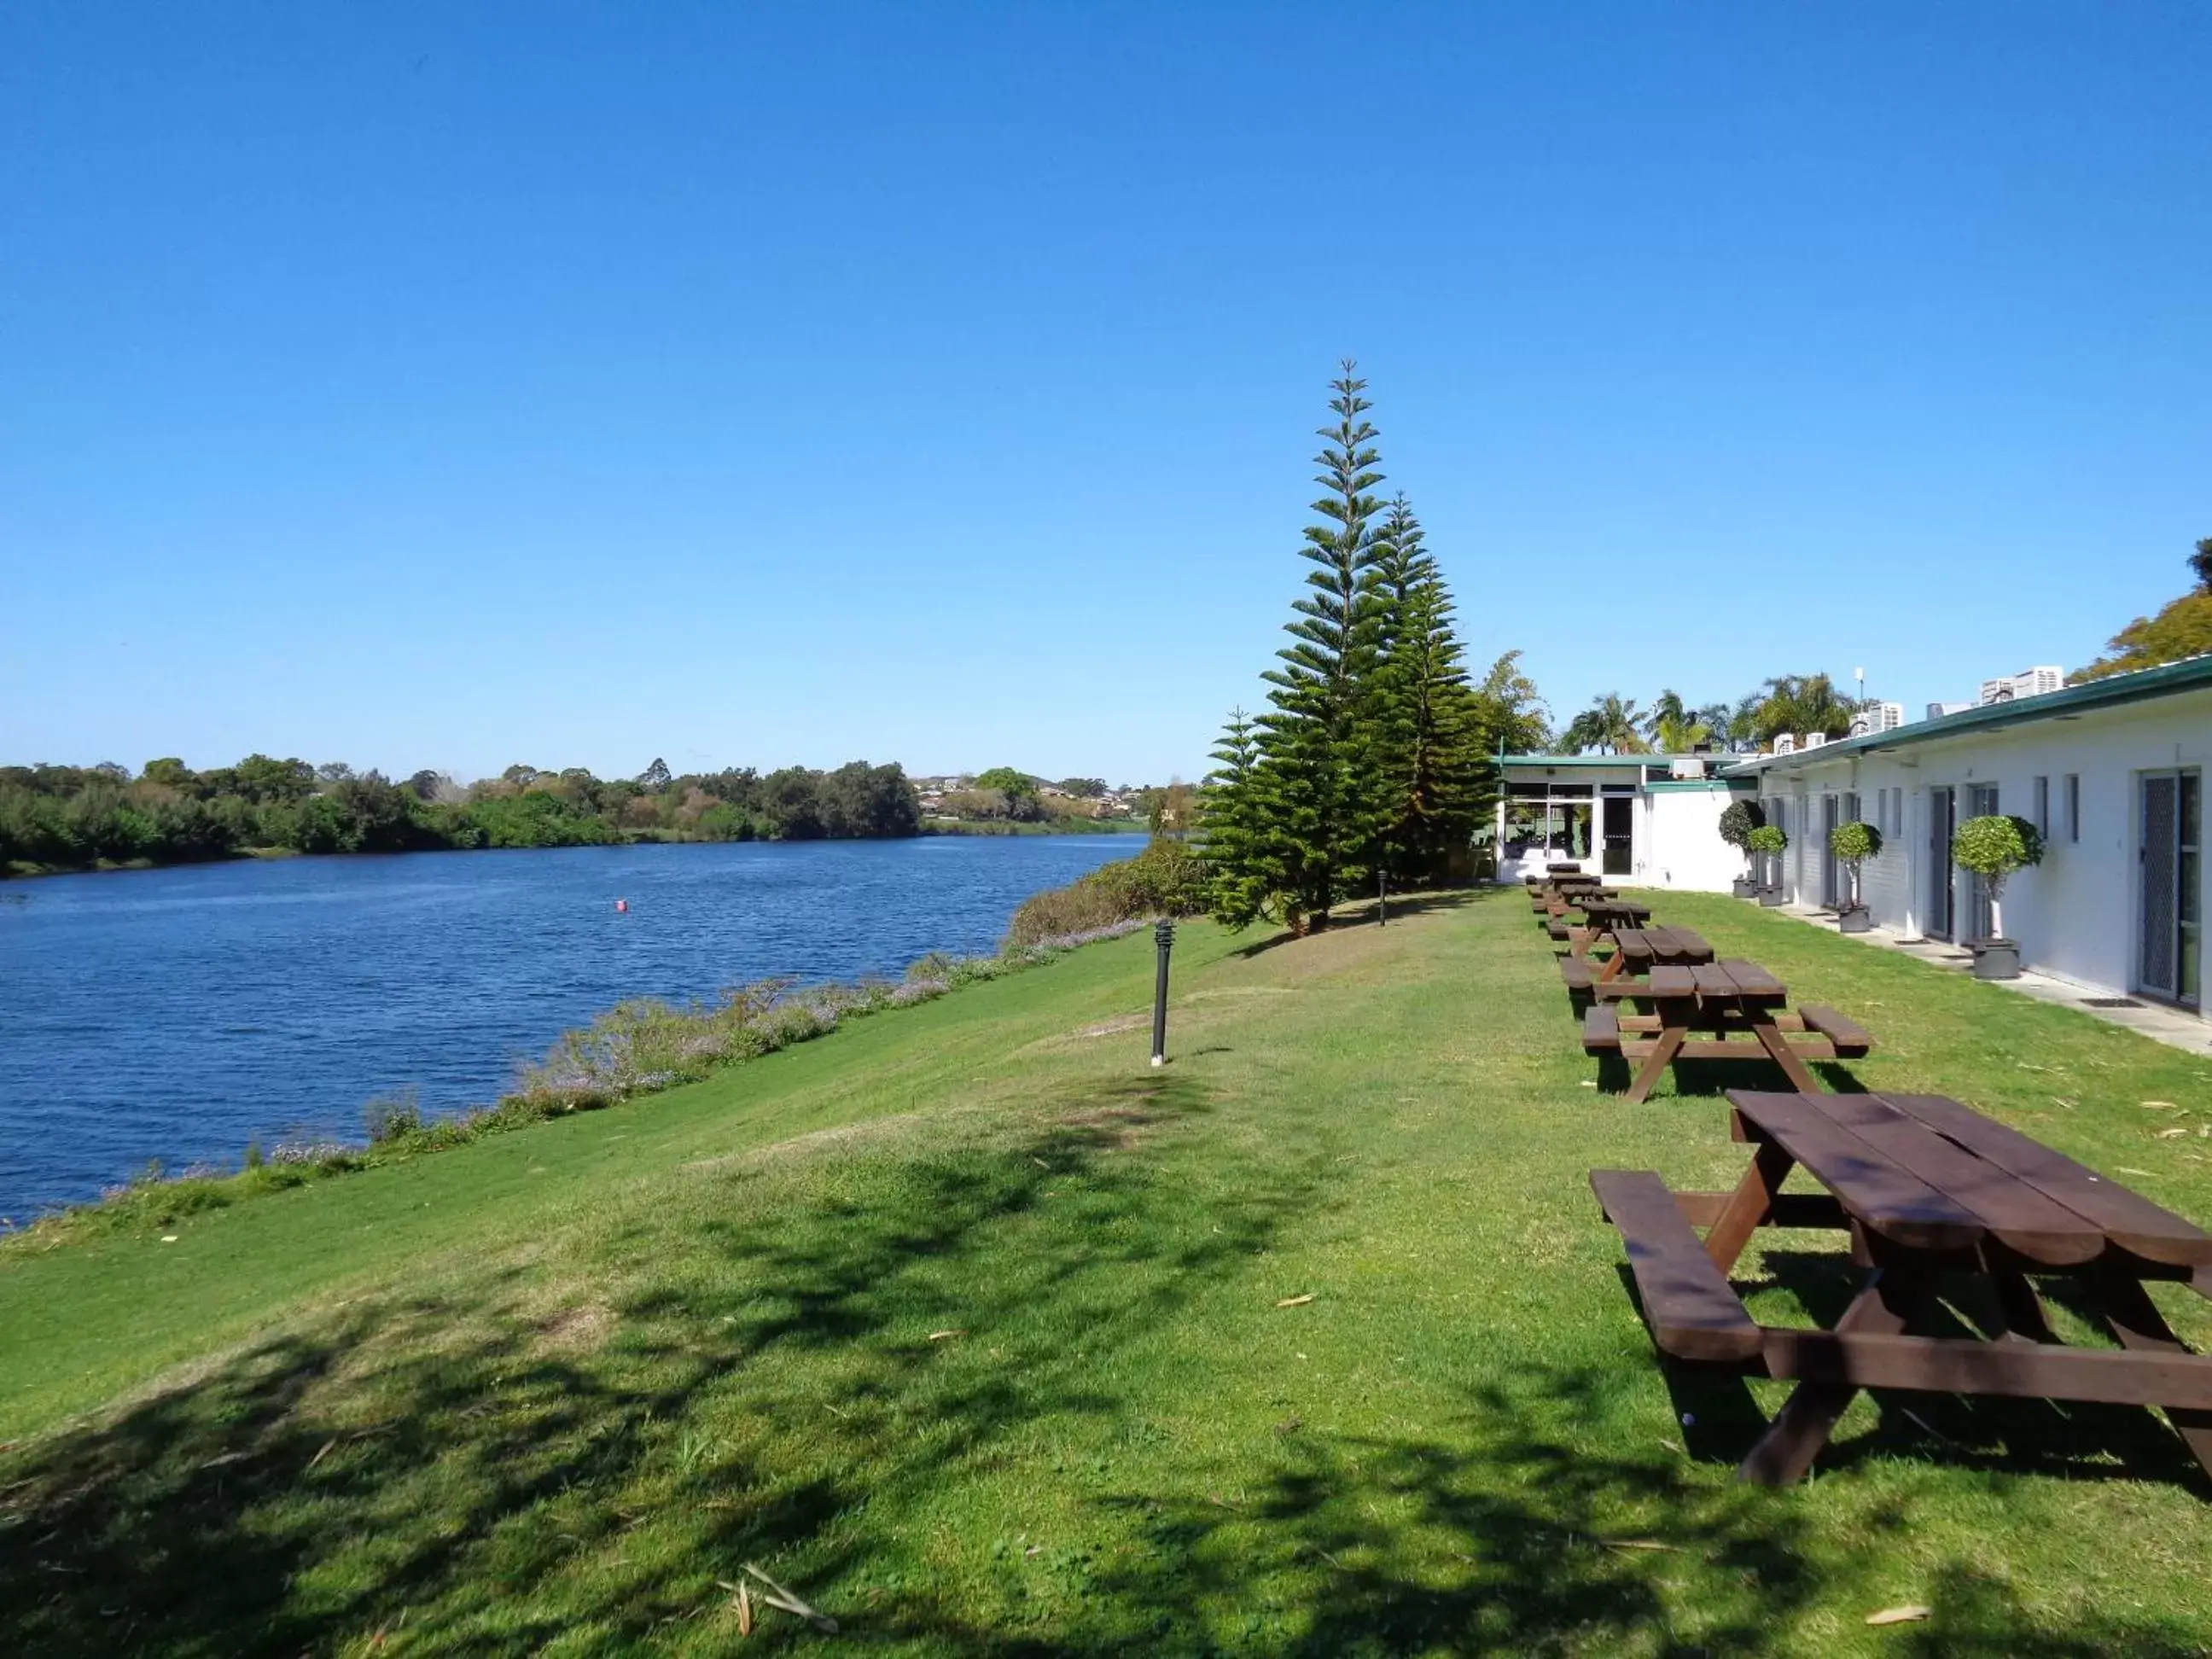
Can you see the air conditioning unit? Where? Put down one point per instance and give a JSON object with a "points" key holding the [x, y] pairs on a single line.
{"points": [[1937, 710], [1889, 716], [2037, 682], [1785, 744], [1814, 739]]}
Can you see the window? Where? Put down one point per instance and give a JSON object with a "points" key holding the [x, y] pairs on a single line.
{"points": [[2043, 808], [2073, 806], [1553, 818]]}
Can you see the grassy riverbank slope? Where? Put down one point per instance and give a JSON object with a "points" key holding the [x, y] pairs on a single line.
{"points": [[965, 1325]]}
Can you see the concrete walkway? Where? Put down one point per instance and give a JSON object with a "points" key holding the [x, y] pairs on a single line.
{"points": [[2154, 1020]]}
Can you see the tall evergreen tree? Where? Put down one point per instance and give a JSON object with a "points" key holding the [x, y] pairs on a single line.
{"points": [[1312, 794], [1240, 843], [1423, 716]]}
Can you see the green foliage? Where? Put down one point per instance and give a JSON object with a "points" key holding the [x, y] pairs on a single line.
{"points": [[1801, 703], [1768, 839], [1371, 765], [1674, 727], [1612, 724], [1738, 819], [1510, 717], [1425, 722], [1166, 879], [1995, 846], [57, 817], [1319, 804], [1251, 876], [1854, 842], [2182, 629]]}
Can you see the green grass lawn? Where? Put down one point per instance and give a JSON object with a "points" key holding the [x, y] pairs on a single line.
{"points": [[963, 1324]]}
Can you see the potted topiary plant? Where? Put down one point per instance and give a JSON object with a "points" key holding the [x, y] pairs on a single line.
{"points": [[1993, 848], [1853, 844], [1768, 842], [1738, 820]]}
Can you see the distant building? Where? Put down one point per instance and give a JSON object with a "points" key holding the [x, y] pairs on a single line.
{"points": [[1640, 818], [2029, 683]]}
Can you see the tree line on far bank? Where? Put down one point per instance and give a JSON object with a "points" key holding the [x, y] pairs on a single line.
{"points": [[69, 817]]}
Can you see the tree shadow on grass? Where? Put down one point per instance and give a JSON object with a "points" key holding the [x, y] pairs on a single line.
{"points": [[1362, 914], [1517, 1534], [491, 1475]]}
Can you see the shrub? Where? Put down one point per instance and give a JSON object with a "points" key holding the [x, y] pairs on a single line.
{"points": [[1166, 879], [393, 1117], [1740, 818], [1993, 846], [1766, 838], [1855, 841]]}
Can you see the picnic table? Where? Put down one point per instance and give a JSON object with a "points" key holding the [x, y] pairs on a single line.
{"points": [[1636, 952], [1603, 917], [1720, 1011], [1923, 1184]]}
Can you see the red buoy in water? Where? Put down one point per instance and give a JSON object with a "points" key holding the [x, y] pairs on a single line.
{"points": [[622, 907]]}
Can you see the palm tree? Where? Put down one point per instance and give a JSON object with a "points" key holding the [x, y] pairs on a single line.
{"points": [[1609, 724], [1802, 703], [1673, 726]]}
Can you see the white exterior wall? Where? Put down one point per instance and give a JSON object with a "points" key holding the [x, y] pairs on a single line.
{"points": [[2076, 915], [1674, 832], [1678, 841]]}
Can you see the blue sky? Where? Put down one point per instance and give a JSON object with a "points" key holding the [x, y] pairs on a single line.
{"points": [[456, 386]]}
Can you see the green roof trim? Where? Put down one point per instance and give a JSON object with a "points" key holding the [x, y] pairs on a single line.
{"points": [[1622, 761], [2169, 679], [1688, 786]]}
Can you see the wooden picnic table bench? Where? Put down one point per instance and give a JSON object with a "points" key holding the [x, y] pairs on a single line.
{"points": [[1719, 1011], [1602, 917], [1922, 1184], [1636, 951]]}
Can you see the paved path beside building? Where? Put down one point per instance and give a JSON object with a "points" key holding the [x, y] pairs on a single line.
{"points": [[2154, 1020]]}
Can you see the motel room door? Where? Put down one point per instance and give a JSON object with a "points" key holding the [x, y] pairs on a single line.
{"points": [[1829, 807], [1942, 823], [2169, 961], [1981, 803]]}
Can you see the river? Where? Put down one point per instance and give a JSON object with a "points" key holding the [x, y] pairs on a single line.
{"points": [[177, 1014]]}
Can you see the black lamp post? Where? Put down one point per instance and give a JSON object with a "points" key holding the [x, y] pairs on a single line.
{"points": [[1162, 936]]}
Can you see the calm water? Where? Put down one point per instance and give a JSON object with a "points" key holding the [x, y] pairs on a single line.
{"points": [[177, 1014]]}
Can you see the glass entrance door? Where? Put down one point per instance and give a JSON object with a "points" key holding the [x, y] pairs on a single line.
{"points": [[1620, 832], [2170, 956], [1942, 820]]}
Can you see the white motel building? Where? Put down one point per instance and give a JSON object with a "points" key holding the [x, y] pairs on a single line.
{"points": [[2112, 772]]}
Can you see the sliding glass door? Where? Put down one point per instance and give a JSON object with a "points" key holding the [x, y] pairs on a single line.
{"points": [[2169, 957]]}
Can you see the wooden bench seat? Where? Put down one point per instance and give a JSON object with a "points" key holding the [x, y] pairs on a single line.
{"points": [[1576, 970], [1602, 1030], [1558, 928], [1849, 1041], [1689, 1307]]}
